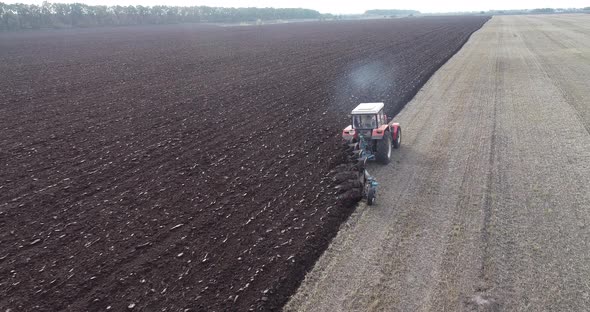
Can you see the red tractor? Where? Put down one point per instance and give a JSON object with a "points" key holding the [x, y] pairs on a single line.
{"points": [[371, 132]]}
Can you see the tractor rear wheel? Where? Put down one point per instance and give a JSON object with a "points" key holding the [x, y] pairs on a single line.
{"points": [[383, 154], [398, 140]]}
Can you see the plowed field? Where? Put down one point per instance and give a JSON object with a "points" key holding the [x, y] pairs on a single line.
{"points": [[187, 167]]}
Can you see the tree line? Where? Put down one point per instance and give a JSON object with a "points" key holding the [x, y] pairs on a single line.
{"points": [[391, 12], [61, 15]]}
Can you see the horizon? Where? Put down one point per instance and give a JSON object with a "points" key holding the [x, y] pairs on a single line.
{"points": [[334, 7]]}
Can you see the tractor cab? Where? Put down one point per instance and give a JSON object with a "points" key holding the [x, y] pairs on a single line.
{"points": [[368, 116], [365, 119]]}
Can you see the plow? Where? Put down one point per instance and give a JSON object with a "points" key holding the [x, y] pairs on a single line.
{"points": [[370, 136]]}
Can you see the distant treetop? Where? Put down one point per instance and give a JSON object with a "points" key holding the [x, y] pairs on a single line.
{"points": [[543, 10], [391, 12], [63, 15]]}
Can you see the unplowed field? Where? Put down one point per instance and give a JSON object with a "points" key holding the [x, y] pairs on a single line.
{"points": [[187, 167]]}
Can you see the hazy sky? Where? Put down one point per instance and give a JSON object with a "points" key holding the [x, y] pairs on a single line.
{"points": [[346, 7]]}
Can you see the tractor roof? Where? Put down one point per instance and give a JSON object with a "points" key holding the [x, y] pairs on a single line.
{"points": [[367, 108]]}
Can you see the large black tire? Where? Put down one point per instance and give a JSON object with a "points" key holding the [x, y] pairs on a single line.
{"points": [[383, 154], [398, 141]]}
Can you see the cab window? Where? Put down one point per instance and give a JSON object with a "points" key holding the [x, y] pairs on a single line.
{"points": [[364, 121]]}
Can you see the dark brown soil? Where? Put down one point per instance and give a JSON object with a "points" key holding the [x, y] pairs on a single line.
{"points": [[187, 167]]}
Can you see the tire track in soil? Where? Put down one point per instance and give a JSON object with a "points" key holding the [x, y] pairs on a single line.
{"points": [[481, 290]]}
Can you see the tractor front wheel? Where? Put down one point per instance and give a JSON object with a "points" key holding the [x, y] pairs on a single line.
{"points": [[383, 154]]}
